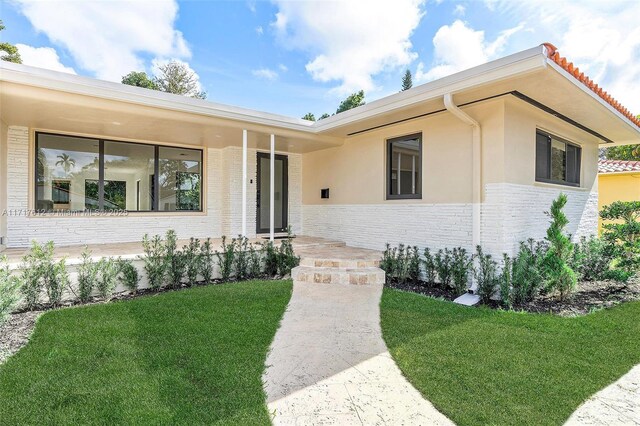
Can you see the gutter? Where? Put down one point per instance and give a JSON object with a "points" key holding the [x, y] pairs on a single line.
{"points": [[476, 172]]}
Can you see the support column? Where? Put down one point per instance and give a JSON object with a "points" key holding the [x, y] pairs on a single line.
{"points": [[244, 183], [272, 188]]}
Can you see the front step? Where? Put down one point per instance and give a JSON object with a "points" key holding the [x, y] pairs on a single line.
{"points": [[340, 263], [338, 275]]}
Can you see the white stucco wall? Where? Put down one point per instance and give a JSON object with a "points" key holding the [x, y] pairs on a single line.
{"points": [[3, 183]]}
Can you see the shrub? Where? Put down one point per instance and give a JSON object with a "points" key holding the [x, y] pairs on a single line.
{"points": [[175, 260], [386, 264], [9, 290], [506, 281], [461, 264], [486, 275], [37, 269], [413, 264], [56, 281], [87, 276], [287, 260], [401, 264], [107, 277], [241, 261], [559, 276], [128, 275], [591, 259], [154, 262], [226, 258], [193, 260], [528, 277], [623, 236], [619, 275], [206, 261], [429, 267], [442, 261], [255, 263]]}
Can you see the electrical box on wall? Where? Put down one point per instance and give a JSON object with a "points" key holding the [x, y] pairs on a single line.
{"points": [[324, 193]]}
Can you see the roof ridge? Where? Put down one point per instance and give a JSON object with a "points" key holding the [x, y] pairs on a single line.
{"points": [[554, 55]]}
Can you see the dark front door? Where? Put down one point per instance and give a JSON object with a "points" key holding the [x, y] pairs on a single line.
{"points": [[281, 196]]}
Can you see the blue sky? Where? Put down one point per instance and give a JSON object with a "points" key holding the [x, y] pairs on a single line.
{"points": [[293, 57]]}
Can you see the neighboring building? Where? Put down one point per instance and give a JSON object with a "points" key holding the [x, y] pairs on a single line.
{"points": [[618, 180], [476, 157]]}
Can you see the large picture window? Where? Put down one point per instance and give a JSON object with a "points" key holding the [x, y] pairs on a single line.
{"points": [[404, 167], [557, 161], [75, 173]]}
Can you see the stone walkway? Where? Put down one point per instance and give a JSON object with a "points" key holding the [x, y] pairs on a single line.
{"points": [[328, 363], [617, 404]]}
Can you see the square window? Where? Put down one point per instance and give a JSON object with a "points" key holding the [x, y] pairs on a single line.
{"points": [[557, 161]]}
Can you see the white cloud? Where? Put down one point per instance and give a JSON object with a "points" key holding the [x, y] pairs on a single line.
{"points": [[108, 37], [350, 41], [283, 67], [459, 10], [265, 73], [259, 30], [458, 47], [156, 63], [42, 57]]}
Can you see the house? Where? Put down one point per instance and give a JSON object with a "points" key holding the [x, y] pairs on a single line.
{"points": [[473, 158], [618, 180]]}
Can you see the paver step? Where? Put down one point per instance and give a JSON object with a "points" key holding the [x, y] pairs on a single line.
{"points": [[332, 275], [339, 263]]}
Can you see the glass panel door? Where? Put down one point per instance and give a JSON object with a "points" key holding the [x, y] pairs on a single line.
{"points": [[280, 193]]}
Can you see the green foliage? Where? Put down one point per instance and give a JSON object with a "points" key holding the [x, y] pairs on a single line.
{"points": [[174, 259], [193, 260], [128, 275], [352, 101], [461, 265], [309, 116], [270, 259], [626, 152], [87, 276], [486, 275], [407, 81], [442, 261], [177, 78], [241, 261], [206, 264], [287, 260], [591, 259], [139, 79], [154, 261], [429, 267], [323, 116], [9, 290], [401, 264], [528, 277], [11, 53], [38, 272], [108, 269], [226, 258], [255, 262], [622, 233], [506, 280], [57, 282], [559, 276]]}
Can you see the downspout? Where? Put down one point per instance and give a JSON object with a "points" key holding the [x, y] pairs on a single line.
{"points": [[476, 168]]}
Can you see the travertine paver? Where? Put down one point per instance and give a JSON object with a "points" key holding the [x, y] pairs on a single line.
{"points": [[328, 363], [617, 404]]}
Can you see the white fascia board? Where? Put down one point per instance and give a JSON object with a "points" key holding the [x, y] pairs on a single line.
{"points": [[510, 66], [54, 80]]}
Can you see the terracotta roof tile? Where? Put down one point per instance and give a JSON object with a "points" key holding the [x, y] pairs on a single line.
{"points": [[554, 55], [618, 166]]}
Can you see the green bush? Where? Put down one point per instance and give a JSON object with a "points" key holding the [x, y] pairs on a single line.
{"points": [[429, 267], [559, 275], [37, 270], [193, 260], [255, 263], [461, 264], [506, 281], [106, 282], [226, 258], [175, 260], [241, 261], [401, 264], [270, 259], [486, 275], [287, 260], [528, 277], [623, 235], [87, 276], [442, 261], [128, 275], [9, 290], [591, 259], [154, 261], [206, 261], [57, 281]]}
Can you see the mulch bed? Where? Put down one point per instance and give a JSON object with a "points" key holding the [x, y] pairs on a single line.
{"points": [[15, 333], [588, 297]]}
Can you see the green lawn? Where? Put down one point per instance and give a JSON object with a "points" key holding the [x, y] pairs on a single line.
{"points": [[187, 357], [480, 366]]}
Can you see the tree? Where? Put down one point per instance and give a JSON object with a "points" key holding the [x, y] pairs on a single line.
{"points": [[354, 100], [627, 152], [66, 162], [309, 116], [407, 81], [323, 116], [139, 79], [560, 277], [175, 77], [622, 232], [11, 53]]}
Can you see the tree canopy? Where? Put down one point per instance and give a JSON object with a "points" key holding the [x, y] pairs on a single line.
{"points": [[407, 81], [309, 116], [139, 79], [10, 52], [173, 77], [353, 100]]}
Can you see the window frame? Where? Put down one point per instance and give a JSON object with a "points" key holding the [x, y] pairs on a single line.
{"points": [[101, 179], [389, 167], [567, 143]]}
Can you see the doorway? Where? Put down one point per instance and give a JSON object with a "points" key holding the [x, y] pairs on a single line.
{"points": [[281, 195]]}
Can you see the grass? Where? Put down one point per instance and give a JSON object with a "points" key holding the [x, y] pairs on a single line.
{"points": [[481, 366], [187, 357]]}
